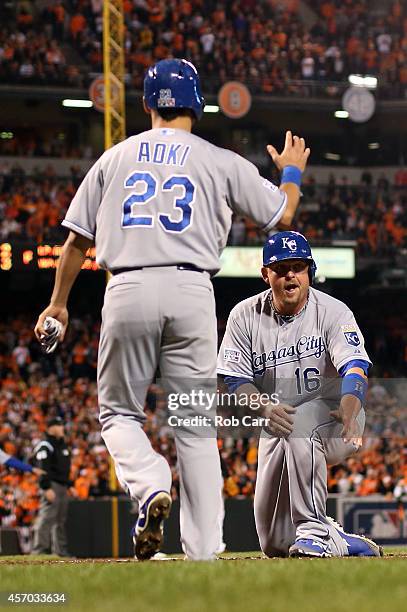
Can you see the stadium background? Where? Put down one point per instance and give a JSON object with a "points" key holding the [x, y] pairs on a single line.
{"points": [[295, 58]]}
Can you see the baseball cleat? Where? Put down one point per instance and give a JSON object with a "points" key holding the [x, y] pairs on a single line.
{"points": [[149, 529], [305, 547], [358, 546]]}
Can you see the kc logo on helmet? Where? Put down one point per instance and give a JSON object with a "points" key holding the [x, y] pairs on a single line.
{"points": [[290, 243]]}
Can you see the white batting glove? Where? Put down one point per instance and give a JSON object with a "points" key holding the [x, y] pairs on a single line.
{"points": [[49, 340]]}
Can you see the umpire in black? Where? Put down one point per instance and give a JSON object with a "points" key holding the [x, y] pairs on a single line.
{"points": [[53, 456]]}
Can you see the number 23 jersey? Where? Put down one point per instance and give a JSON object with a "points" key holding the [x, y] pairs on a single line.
{"points": [[166, 197]]}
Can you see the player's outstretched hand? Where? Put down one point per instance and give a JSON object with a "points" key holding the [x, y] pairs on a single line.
{"points": [[294, 153], [351, 432], [57, 312], [281, 421]]}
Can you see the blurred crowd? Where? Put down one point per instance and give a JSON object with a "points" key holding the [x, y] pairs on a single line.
{"points": [[30, 51], [32, 143], [265, 43], [380, 468], [364, 38], [373, 213], [32, 207], [35, 386]]}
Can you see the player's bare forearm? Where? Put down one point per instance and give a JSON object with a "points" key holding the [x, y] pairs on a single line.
{"points": [[349, 409], [293, 199], [70, 263]]}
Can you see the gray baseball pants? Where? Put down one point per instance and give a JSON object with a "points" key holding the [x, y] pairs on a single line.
{"points": [[162, 318], [291, 487], [50, 525]]}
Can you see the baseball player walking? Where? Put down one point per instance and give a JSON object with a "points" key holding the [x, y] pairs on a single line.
{"points": [[158, 207], [304, 346]]}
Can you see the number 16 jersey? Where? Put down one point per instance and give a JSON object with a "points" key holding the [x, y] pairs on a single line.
{"points": [[300, 355]]}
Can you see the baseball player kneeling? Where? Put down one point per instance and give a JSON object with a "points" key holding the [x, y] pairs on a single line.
{"points": [[302, 348]]}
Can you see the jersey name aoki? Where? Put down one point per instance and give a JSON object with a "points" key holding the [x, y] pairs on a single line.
{"points": [[306, 346], [162, 153]]}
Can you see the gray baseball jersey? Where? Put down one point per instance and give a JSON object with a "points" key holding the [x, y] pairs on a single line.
{"points": [[301, 356], [166, 197], [263, 347]]}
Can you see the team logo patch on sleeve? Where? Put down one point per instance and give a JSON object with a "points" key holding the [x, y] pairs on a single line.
{"points": [[232, 355], [351, 335]]}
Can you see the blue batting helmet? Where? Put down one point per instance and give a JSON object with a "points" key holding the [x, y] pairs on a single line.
{"points": [[288, 245], [174, 83]]}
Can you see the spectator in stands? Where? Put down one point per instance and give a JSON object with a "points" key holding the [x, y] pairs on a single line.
{"points": [[221, 40], [386, 485], [400, 490], [370, 484], [355, 476]]}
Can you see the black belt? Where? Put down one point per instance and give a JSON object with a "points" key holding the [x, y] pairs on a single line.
{"points": [[184, 266]]}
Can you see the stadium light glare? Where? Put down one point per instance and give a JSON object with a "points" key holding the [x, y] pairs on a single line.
{"points": [[341, 114], [332, 156], [374, 145], [211, 108], [363, 81], [77, 103]]}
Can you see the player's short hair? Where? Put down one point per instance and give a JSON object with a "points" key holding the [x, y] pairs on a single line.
{"points": [[169, 114]]}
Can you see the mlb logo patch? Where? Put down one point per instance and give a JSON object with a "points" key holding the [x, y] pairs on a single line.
{"points": [[351, 335], [232, 355]]}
